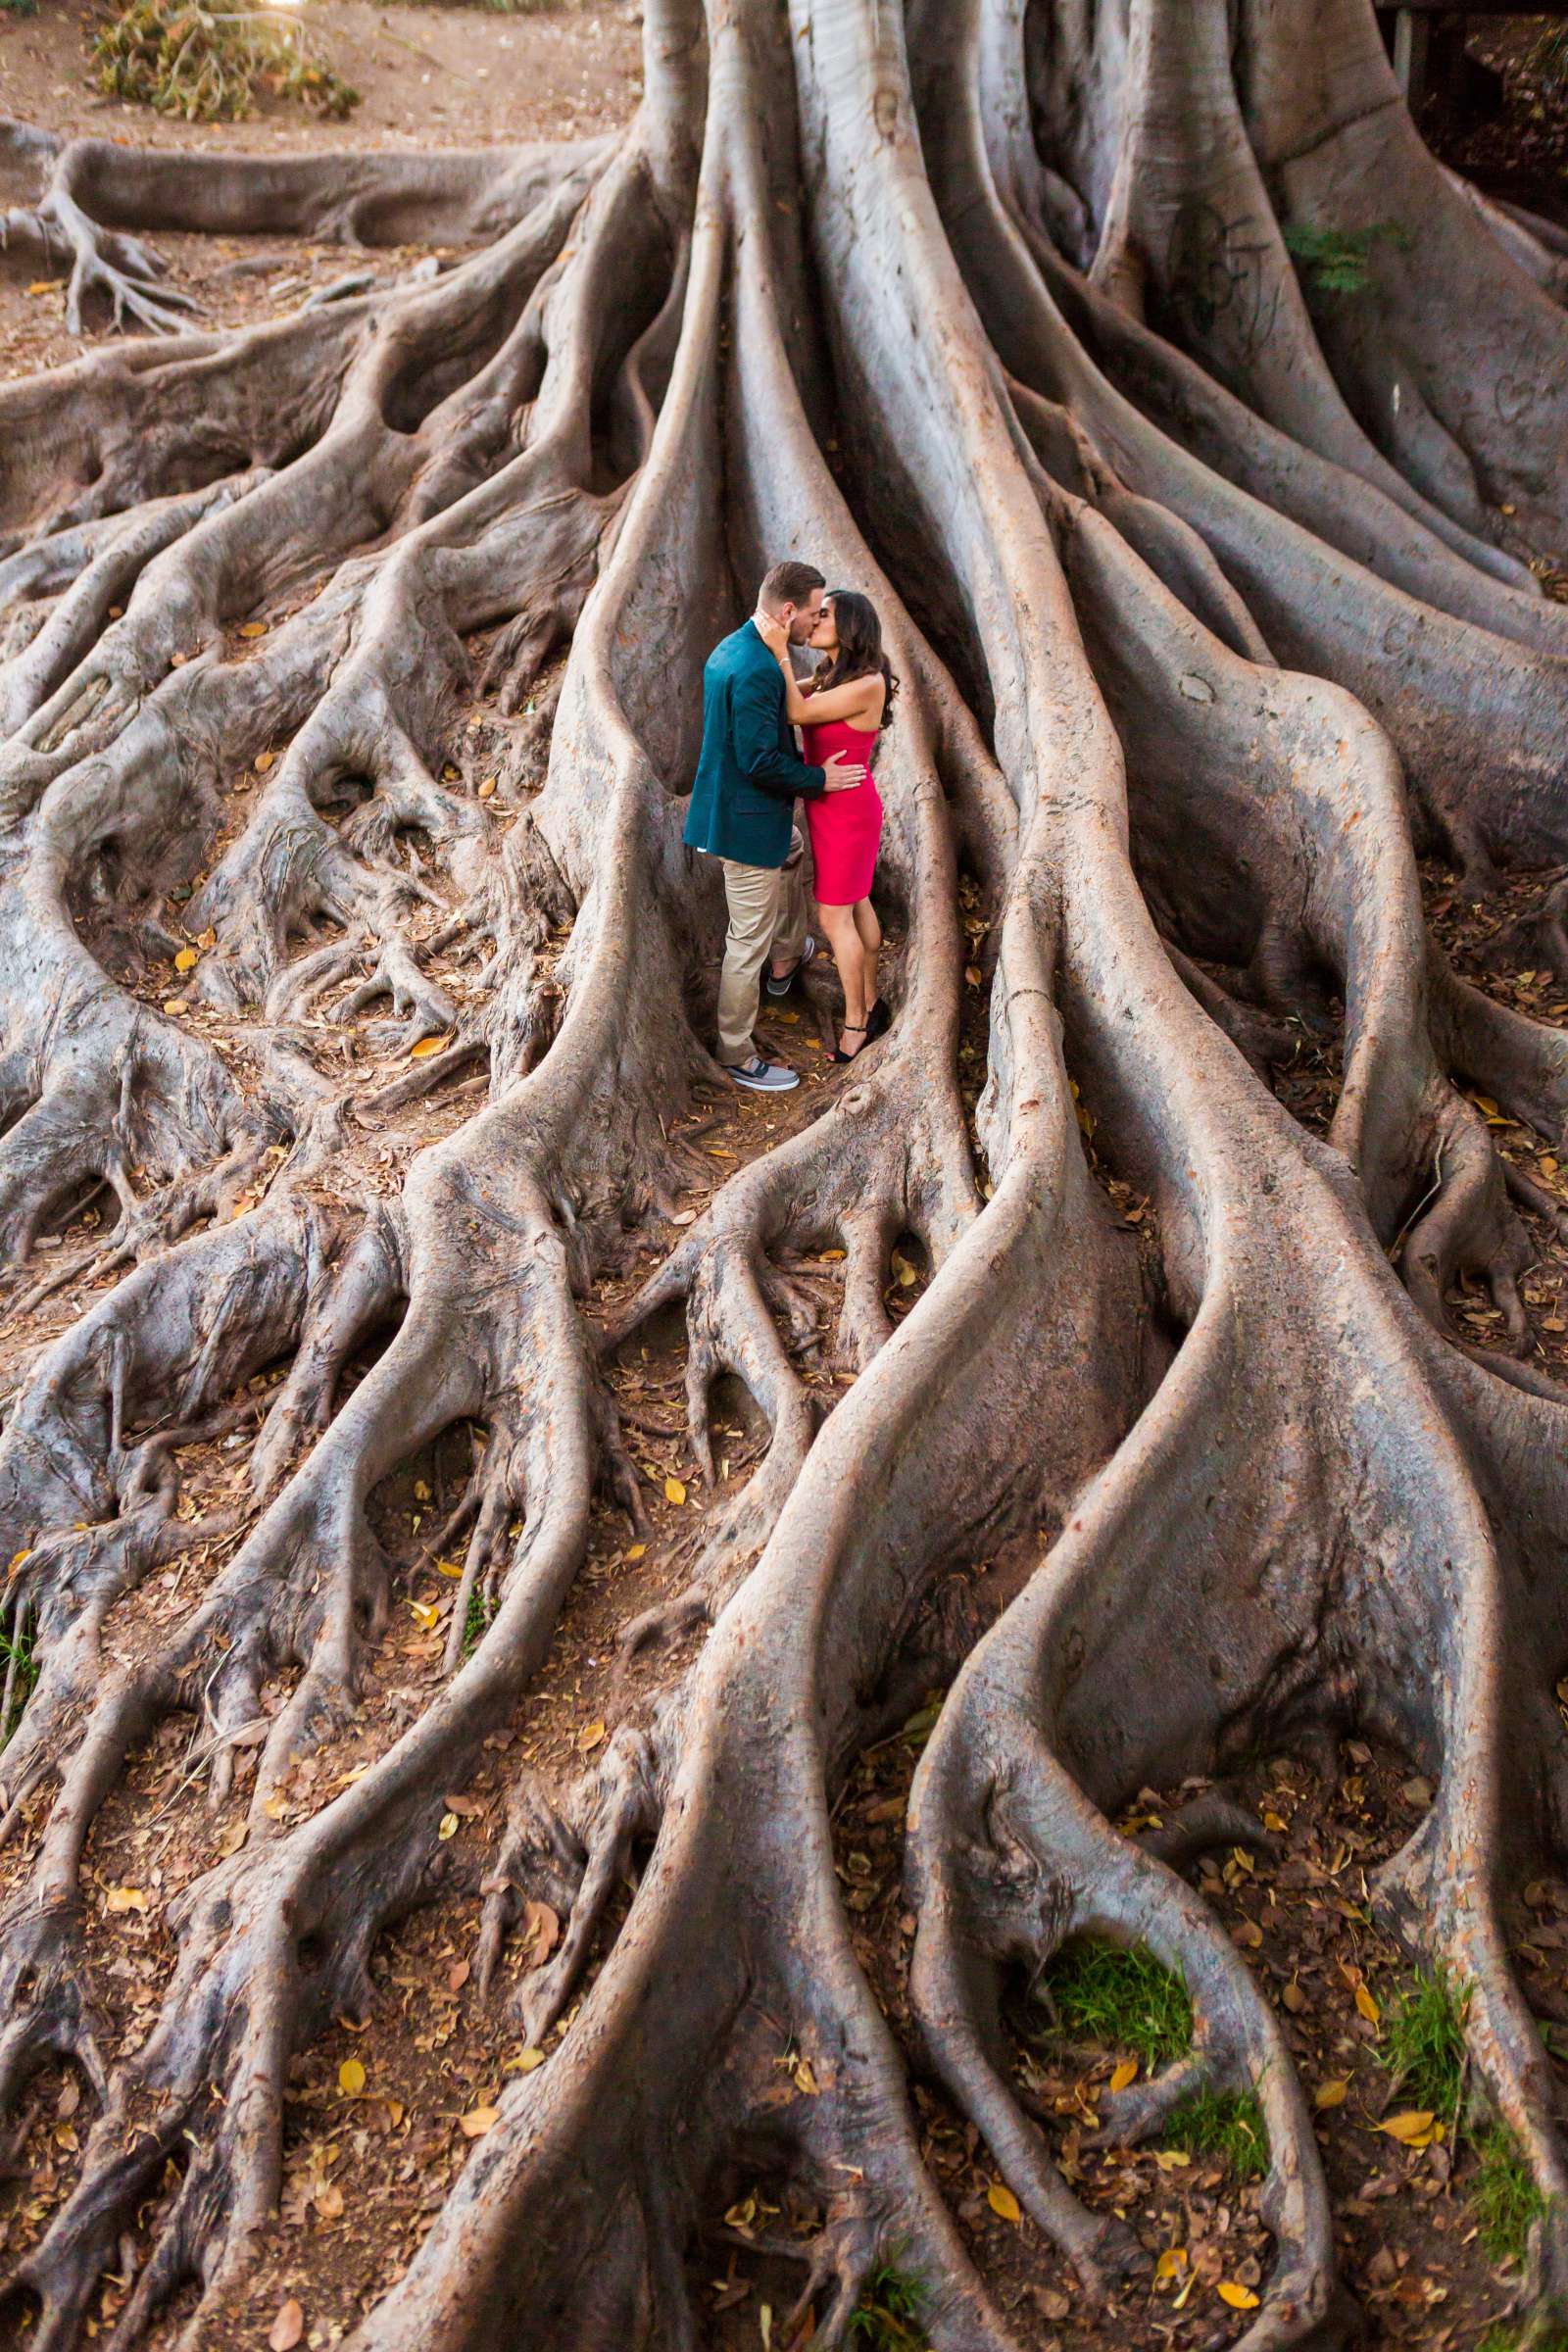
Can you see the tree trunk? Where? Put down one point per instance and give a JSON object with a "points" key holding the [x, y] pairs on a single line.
{"points": [[1209, 587]]}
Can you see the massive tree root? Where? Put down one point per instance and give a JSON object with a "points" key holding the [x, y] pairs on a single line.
{"points": [[1211, 594]]}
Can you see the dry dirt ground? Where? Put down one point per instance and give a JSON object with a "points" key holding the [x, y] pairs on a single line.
{"points": [[383, 2111]]}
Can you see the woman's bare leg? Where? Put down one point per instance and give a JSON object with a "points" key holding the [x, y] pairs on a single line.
{"points": [[844, 938], [869, 933]]}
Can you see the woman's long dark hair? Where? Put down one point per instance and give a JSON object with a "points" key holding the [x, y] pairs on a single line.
{"points": [[859, 647]]}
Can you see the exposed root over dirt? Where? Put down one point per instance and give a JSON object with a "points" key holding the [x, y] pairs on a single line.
{"points": [[489, 1513]]}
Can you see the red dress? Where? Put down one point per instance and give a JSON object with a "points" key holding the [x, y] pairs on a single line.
{"points": [[846, 826]]}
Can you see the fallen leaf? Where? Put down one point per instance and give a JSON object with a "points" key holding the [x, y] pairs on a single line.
{"points": [[426, 1614], [175, 1005], [1240, 2298], [804, 2081], [1331, 2094], [264, 761], [1172, 2160], [126, 1898], [1272, 1822], [675, 1489], [253, 628], [351, 2078], [328, 2200], [458, 1976], [208, 937], [428, 1046], [1170, 2264], [1412, 2127], [1000, 2199], [231, 1837], [589, 1738], [448, 1568], [479, 2120], [448, 1826], [1368, 2006], [1294, 1998], [635, 1551], [186, 960], [684, 1216], [487, 788], [1125, 2074], [525, 2062], [541, 1930], [41, 285], [287, 2328]]}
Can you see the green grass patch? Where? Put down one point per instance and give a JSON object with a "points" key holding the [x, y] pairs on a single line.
{"points": [[207, 64], [1513, 2335], [1227, 2125], [1422, 2042], [1334, 261], [18, 1648], [476, 1621], [1121, 2000], [1503, 2195], [886, 2318]]}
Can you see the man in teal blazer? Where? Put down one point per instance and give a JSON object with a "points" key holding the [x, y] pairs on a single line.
{"points": [[749, 778]]}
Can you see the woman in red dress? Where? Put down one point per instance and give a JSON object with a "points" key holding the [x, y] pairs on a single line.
{"points": [[843, 709]]}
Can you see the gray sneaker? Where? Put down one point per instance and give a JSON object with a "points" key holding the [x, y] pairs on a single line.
{"points": [[762, 1077], [779, 984]]}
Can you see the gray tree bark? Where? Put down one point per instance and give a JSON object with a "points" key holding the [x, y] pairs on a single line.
{"points": [[1211, 599]]}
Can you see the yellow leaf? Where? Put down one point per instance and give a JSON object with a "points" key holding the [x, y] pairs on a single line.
{"points": [[17, 1560], [428, 1046], [1000, 2199], [175, 1005], [1240, 2298], [264, 761], [208, 939], [805, 2079], [1170, 2264], [253, 628], [1272, 1821], [525, 2062], [448, 1568], [126, 1898], [274, 1806], [351, 2078], [487, 788], [1367, 2006], [41, 285], [1413, 2126], [831, 1257], [426, 1614], [477, 2122], [1330, 2094], [634, 1551], [231, 1837], [186, 960], [1125, 2074], [448, 1826], [675, 1490], [1172, 2160], [589, 1738]]}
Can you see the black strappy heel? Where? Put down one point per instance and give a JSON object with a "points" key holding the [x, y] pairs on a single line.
{"points": [[878, 1021], [850, 1029]]}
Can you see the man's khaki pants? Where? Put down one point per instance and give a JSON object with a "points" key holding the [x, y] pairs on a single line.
{"points": [[766, 918]]}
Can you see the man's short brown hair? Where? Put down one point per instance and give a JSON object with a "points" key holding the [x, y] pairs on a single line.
{"points": [[790, 584]]}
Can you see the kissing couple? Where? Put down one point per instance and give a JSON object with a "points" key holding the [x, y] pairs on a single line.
{"points": [[749, 778]]}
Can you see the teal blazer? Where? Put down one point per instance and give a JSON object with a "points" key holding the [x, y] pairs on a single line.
{"points": [[750, 774]]}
